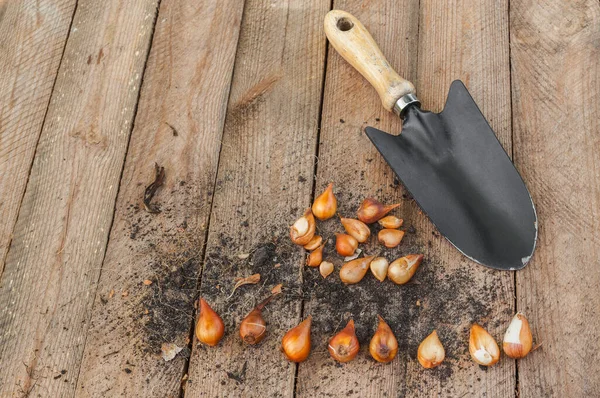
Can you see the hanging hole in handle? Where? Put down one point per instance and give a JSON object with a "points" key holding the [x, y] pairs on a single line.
{"points": [[344, 24]]}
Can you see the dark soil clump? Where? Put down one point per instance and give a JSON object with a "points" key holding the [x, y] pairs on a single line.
{"points": [[170, 304]]}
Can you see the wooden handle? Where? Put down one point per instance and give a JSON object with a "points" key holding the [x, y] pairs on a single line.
{"points": [[355, 44]]}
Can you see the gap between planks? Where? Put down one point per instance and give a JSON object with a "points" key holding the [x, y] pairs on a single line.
{"points": [[192, 336], [131, 129], [512, 157], [180, 47], [15, 353], [39, 133], [314, 178], [430, 92], [251, 116]]}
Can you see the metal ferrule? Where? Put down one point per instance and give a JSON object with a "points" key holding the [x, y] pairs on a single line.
{"points": [[404, 101]]}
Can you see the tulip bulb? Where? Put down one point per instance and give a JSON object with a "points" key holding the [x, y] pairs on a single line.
{"points": [[253, 327], [390, 238], [379, 268], [303, 229], [315, 257], [356, 228], [401, 270], [482, 346], [391, 222], [431, 352], [326, 268], [344, 346], [353, 271], [383, 346], [325, 205], [517, 340], [345, 244], [372, 210], [296, 342], [210, 327], [314, 243]]}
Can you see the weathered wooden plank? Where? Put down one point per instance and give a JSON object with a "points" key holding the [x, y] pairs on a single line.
{"points": [[556, 85], [472, 44], [178, 125], [32, 39], [347, 158], [264, 180], [449, 292], [60, 236]]}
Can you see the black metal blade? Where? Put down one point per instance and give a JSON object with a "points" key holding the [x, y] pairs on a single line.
{"points": [[459, 174]]}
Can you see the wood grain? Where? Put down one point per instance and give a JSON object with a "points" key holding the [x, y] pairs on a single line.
{"points": [[556, 85], [62, 216], [347, 158], [60, 236], [263, 184], [448, 292], [179, 124], [32, 39], [355, 44], [471, 45]]}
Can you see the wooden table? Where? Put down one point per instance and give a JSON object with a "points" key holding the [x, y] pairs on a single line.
{"points": [[251, 114]]}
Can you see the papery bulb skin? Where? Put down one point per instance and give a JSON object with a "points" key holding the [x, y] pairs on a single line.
{"points": [[391, 222], [371, 210], [383, 346], [353, 271], [402, 270], [314, 243], [296, 342], [390, 238], [344, 346], [345, 245], [379, 268], [326, 268], [210, 327], [483, 348], [303, 230], [325, 205], [518, 339], [431, 352], [315, 257], [253, 328], [356, 228]]}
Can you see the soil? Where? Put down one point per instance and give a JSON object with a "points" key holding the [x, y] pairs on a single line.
{"points": [[447, 300], [222, 267], [170, 301], [171, 246], [436, 298]]}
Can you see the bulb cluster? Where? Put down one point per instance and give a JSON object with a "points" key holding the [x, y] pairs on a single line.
{"points": [[344, 346], [357, 231], [383, 346]]}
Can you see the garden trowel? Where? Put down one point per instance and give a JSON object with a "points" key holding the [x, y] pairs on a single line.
{"points": [[451, 162]]}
